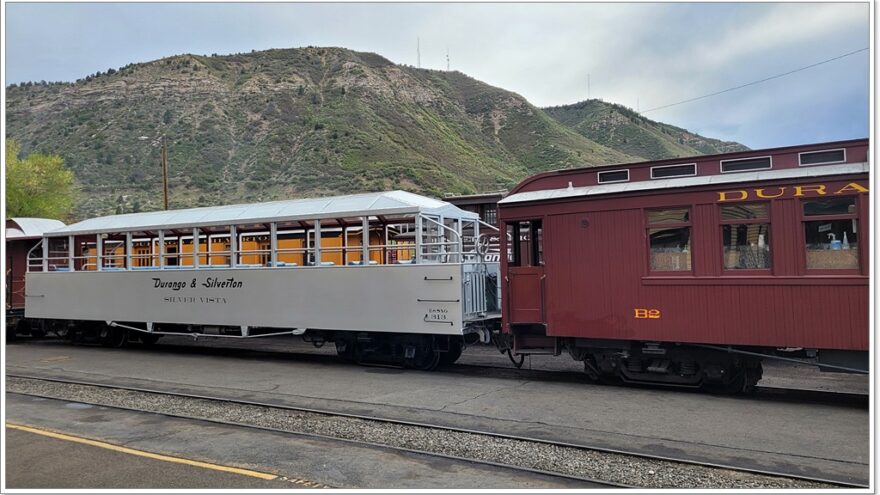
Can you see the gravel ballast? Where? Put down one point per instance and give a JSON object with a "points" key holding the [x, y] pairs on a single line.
{"points": [[601, 466]]}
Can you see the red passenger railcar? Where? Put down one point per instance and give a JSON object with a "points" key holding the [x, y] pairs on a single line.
{"points": [[691, 271]]}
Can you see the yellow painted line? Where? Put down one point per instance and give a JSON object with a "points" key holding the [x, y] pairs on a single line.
{"points": [[150, 455]]}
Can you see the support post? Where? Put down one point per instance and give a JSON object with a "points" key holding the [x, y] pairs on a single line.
{"points": [[233, 246], [195, 249], [477, 255], [161, 249], [344, 244], [99, 252], [128, 246], [317, 243], [45, 254], [273, 244], [365, 240], [418, 238], [71, 253]]}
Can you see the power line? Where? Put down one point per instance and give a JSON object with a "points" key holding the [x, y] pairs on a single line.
{"points": [[777, 76]]}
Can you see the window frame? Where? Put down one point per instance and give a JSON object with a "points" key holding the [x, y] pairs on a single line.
{"points": [[659, 167], [855, 216], [648, 226], [600, 172], [535, 244], [734, 160], [802, 164], [727, 272]]}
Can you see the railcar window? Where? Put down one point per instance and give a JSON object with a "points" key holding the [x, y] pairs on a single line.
{"points": [[674, 215], [831, 234], [669, 234], [525, 243], [745, 231]]}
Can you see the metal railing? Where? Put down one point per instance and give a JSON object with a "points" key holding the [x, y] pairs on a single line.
{"points": [[431, 242]]}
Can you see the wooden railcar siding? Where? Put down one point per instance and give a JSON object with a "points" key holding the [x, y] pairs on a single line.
{"points": [[597, 266], [596, 297], [856, 152]]}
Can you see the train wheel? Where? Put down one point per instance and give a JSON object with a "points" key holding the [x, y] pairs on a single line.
{"points": [[113, 337], [12, 332], [744, 381], [37, 330], [345, 349], [420, 354], [429, 361], [451, 356]]}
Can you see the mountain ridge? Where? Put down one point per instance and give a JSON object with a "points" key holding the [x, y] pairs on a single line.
{"points": [[291, 122]]}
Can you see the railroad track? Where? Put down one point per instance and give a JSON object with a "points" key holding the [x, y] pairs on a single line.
{"points": [[505, 370], [627, 469]]}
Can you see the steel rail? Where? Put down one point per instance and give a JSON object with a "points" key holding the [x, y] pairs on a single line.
{"points": [[824, 395], [512, 467], [641, 455]]}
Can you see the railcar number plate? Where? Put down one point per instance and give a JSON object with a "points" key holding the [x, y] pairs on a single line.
{"points": [[647, 313]]}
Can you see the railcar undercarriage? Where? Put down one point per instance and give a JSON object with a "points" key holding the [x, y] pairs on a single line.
{"points": [[656, 364], [713, 368], [416, 351]]}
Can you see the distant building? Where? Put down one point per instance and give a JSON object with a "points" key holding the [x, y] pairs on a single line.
{"points": [[485, 204]]}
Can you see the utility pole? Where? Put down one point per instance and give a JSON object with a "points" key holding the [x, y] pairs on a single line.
{"points": [[447, 59], [588, 86], [165, 170], [418, 54]]}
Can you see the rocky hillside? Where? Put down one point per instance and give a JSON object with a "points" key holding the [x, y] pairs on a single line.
{"points": [[620, 128], [289, 123]]}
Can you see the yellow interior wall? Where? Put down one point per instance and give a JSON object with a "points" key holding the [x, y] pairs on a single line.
{"points": [[352, 253]]}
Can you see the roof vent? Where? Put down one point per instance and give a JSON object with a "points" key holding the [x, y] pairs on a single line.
{"points": [[824, 157], [746, 164], [668, 171]]}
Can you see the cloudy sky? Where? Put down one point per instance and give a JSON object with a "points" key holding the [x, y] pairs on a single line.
{"points": [[639, 55]]}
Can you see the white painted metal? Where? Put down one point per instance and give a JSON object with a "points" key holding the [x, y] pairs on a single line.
{"points": [[380, 298], [365, 240], [195, 247], [31, 228], [71, 250], [128, 264], [273, 244], [99, 254], [703, 180], [161, 248], [318, 259], [233, 246], [45, 255], [418, 238]]}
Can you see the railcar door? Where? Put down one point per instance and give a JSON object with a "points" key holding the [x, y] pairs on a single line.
{"points": [[525, 272]]}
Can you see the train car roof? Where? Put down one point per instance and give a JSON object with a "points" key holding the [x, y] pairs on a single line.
{"points": [[30, 228], [388, 203], [704, 180]]}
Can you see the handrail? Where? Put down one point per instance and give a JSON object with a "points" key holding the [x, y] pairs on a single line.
{"points": [[436, 243]]}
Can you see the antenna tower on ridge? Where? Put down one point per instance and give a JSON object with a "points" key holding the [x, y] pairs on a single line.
{"points": [[418, 54], [447, 59]]}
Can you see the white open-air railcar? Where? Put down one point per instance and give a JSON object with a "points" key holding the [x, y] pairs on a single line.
{"points": [[389, 276]]}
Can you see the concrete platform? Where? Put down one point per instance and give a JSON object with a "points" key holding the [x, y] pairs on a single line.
{"points": [[813, 439], [34, 461]]}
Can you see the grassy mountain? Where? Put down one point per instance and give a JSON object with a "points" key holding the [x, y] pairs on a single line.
{"points": [[620, 128], [288, 123]]}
